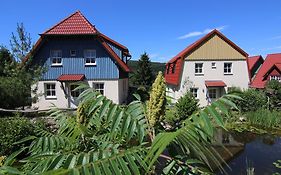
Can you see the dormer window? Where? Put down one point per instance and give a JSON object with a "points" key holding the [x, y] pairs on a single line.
{"points": [[90, 57], [56, 57]]}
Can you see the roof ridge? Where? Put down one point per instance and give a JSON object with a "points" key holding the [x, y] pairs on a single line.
{"points": [[88, 22]]}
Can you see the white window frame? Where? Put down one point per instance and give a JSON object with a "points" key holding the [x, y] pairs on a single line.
{"points": [[56, 57], [226, 69], [214, 65], [194, 92], [91, 58], [99, 89], [52, 88], [197, 69], [275, 77]]}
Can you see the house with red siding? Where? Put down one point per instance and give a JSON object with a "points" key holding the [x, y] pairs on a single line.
{"points": [[269, 70], [207, 68], [254, 63]]}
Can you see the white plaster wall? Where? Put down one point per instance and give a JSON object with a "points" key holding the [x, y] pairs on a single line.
{"points": [[44, 103], [239, 78], [116, 90]]}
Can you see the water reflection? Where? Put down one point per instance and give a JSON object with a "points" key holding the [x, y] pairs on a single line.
{"points": [[260, 150]]}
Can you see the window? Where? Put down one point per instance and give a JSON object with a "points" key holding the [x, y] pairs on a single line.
{"points": [[90, 57], [50, 90], [199, 68], [56, 57], [214, 66], [227, 68], [74, 93], [173, 68], [194, 91], [212, 93], [274, 77], [72, 53], [99, 87]]}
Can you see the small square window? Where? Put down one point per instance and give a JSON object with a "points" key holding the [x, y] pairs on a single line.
{"points": [[72, 53], [99, 87], [194, 91], [50, 90], [90, 57], [214, 66], [227, 68], [199, 69]]}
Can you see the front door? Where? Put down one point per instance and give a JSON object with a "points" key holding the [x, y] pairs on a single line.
{"points": [[212, 94], [73, 95]]}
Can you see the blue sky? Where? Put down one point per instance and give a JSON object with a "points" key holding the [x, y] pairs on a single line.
{"points": [[162, 28]]}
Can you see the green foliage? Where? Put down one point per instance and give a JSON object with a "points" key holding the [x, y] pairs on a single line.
{"points": [[109, 139], [264, 118], [252, 100], [157, 101], [273, 91], [186, 106], [20, 43], [143, 75], [5, 58], [13, 129]]}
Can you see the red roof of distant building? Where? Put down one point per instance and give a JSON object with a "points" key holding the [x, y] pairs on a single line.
{"points": [[253, 60], [178, 60], [270, 61], [71, 77], [215, 83], [76, 24]]}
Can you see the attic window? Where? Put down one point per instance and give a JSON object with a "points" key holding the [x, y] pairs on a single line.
{"points": [[56, 56], [72, 53], [90, 57]]}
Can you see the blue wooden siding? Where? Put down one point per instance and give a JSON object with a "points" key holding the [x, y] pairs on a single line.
{"points": [[116, 50], [106, 67]]}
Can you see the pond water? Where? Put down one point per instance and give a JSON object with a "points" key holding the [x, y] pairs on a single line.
{"points": [[258, 151]]}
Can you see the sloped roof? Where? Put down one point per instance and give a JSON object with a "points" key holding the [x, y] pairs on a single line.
{"points": [[253, 60], [270, 61], [178, 59], [77, 24], [215, 83], [74, 24]]}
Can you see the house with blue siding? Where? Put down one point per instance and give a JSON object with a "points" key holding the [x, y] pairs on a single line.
{"points": [[75, 51]]}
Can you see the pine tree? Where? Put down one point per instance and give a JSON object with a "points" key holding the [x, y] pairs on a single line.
{"points": [[157, 102], [144, 76], [20, 43]]}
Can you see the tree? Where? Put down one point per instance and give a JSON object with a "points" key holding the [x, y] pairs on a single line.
{"points": [[143, 75], [20, 43], [5, 58], [273, 91], [111, 139], [157, 102]]}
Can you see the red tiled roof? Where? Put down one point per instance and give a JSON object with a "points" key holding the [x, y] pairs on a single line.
{"points": [[71, 77], [253, 60], [270, 61], [76, 24], [174, 79], [215, 83]]}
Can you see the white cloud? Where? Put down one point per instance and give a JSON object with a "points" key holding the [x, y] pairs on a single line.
{"points": [[198, 33], [273, 48], [276, 37], [153, 55]]}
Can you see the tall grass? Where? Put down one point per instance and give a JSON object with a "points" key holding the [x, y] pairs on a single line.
{"points": [[264, 118]]}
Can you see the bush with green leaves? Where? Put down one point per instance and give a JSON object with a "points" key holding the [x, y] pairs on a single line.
{"points": [[273, 91], [13, 129], [186, 106], [252, 100], [104, 138]]}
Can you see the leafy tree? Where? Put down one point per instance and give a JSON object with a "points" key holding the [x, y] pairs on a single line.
{"points": [[143, 75], [5, 58], [20, 43], [157, 102], [273, 91], [109, 139]]}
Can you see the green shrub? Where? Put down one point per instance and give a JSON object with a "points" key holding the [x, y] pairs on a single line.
{"points": [[252, 100], [13, 129], [186, 106], [273, 91]]}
